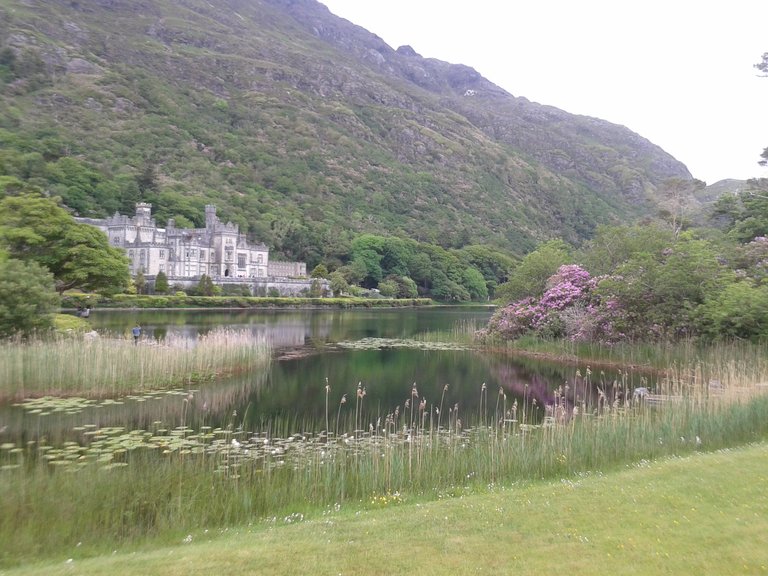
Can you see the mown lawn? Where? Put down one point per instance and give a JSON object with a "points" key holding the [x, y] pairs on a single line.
{"points": [[702, 514]]}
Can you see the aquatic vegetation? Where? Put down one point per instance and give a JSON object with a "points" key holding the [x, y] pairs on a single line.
{"points": [[83, 365], [382, 343]]}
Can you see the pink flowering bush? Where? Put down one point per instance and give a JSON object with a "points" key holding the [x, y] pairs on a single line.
{"points": [[570, 307]]}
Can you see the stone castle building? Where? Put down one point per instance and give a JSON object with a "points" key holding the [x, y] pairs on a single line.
{"points": [[219, 250]]}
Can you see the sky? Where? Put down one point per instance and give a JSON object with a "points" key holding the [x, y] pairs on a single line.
{"points": [[678, 72]]}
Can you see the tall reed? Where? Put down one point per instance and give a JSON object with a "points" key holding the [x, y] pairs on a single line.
{"points": [[100, 367]]}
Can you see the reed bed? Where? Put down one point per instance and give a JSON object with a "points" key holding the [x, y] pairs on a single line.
{"points": [[462, 332], [661, 355], [105, 367], [115, 487]]}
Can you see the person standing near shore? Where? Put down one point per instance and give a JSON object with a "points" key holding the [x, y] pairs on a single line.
{"points": [[136, 334]]}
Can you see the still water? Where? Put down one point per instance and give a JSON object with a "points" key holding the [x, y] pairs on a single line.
{"points": [[467, 384]]}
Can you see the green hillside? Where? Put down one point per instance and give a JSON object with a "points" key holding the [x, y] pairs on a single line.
{"points": [[303, 128]]}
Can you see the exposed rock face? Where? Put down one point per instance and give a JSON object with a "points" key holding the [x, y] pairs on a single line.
{"points": [[80, 66]]}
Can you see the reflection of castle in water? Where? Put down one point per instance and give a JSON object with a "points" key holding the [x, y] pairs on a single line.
{"points": [[282, 335]]}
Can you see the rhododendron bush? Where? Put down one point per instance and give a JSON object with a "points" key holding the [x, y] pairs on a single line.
{"points": [[571, 307], [682, 287]]}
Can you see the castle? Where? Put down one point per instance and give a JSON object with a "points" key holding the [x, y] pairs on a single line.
{"points": [[219, 250]]}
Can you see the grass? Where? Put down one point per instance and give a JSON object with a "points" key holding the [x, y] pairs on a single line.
{"points": [[701, 514], [116, 487], [102, 367]]}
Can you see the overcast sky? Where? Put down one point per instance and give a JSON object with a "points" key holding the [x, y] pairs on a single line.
{"points": [[678, 72]]}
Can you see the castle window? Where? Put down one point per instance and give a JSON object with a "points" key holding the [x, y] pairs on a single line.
{"points": [[162, 254], [241, 260]]}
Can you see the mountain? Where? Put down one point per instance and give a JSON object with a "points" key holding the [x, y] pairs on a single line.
{"points": [[302, 128]]}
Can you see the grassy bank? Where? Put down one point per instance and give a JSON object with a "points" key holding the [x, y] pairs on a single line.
{"points": [[102, 367], [702, 514], [75, 301]]}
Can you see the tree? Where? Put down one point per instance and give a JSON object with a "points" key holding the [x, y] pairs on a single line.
{"points": [[367, 254], [388, 288], [474, 282], [319, 271], [27, 298], [751, 216], [205, 287], [140, 281], [338, 283], [495, 266], [161, 283], [530, 277], [406, 288], [315, 289], [615, 245], [676, 195], [35, 228], [738, 311], [659, 293]]}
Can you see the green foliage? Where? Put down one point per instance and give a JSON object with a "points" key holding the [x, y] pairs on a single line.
{"points": [[315, 289], [205, 287], [67, 323], [339, 283], [388, 288], [740, 311], [140, 282], [404, 287], [530, 276], [613, 246], [474, 282], [27, 298], [34, 228], [319, 271], [404, 265], [495, 266], [161, 283]]}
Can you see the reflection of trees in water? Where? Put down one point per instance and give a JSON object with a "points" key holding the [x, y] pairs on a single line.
{"points": [[560, 388], [526, 386]]}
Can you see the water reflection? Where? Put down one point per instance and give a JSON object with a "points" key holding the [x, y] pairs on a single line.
{"points": [[290, 328], [469, 385]]}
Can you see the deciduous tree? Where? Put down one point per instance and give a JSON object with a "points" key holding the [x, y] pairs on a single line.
{"points": [[35, 228], [27, 298]]}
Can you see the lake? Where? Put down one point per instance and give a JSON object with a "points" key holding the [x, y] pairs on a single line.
{"points": [[469, 386]]}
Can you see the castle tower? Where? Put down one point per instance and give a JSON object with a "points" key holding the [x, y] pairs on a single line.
{"points": [[210, 216], [143, 213]]}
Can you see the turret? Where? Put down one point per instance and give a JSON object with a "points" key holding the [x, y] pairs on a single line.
{"points": [[143, 213], [210, 216]]}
